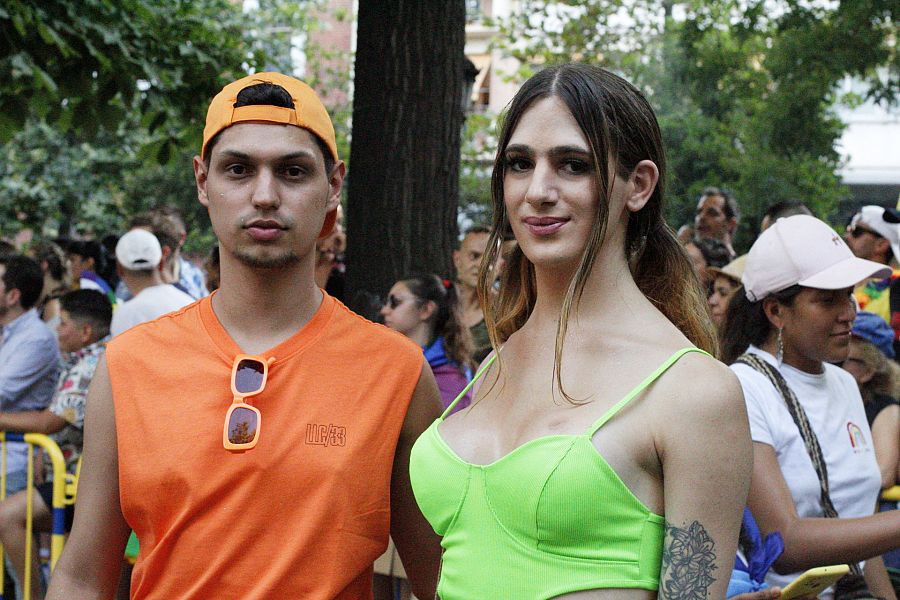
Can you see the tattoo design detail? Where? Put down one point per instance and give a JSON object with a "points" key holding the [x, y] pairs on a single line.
{"points": [[688, 561]]}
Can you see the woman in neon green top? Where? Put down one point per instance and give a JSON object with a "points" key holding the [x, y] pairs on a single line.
{"points": [[605, 456]]}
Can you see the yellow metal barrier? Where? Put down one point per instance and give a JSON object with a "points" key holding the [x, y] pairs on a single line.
{"points": [[892, 494], [64, 488]]}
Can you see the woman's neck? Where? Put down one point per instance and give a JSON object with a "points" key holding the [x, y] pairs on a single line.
{"points": [[791, 358], [421, 335], [609, 287]]}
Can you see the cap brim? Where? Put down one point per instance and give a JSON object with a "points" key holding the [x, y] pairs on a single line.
{"points": [[717, 272], [846, 273], [328, 225]]}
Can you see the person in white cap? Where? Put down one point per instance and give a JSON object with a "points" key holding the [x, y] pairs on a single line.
{"points": [[874, 234], [812, 447], [138, 255]]}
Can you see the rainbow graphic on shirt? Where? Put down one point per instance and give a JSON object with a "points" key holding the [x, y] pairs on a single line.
{"points": [[857, 439]]}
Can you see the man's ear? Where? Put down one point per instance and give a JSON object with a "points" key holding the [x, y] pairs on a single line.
{"points": [[732, 225], [85, 333], [13, 297], [643, 181], [882, 246], [335, 184], [200, 177]]}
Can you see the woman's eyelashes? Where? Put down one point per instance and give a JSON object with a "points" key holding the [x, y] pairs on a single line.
{"points": [[567, 166]]}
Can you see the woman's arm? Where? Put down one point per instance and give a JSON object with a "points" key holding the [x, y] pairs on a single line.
{"points": [[813, 542], [705, 451], [886, 438], [878, 580]]}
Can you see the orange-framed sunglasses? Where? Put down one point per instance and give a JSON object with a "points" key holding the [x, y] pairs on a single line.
{"points": [[242, 421]]}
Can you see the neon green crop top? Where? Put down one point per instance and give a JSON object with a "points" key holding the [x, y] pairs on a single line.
{"points": [[549, 518]]}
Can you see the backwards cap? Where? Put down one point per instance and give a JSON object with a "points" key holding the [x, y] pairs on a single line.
{"points": [[308, 113], [883, 221]]}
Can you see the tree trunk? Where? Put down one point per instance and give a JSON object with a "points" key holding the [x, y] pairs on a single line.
{"points": [[404, 168]]}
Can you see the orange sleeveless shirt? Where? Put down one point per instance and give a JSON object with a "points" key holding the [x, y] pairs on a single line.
{"points": [[302, 515]]}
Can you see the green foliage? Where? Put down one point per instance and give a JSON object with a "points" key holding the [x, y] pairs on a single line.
{"points": [[479, 142], [104, 102], [744, 90]]}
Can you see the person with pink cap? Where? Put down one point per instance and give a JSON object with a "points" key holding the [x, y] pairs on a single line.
{"points": [[815, 478]]}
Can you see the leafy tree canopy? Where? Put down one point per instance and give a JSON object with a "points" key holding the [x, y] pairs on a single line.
{"points": [[745, 90], [102, 103]]}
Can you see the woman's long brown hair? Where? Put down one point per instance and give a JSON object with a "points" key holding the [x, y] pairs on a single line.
{"points": [[618, 122]]}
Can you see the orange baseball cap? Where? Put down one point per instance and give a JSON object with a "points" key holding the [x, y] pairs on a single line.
{"points": [[308, 113]]}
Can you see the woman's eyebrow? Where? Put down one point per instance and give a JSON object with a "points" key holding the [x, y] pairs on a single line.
{"points": [[555, 151]]}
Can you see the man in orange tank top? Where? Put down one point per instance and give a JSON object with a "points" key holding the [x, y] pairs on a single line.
{"points": [[257, 441]]}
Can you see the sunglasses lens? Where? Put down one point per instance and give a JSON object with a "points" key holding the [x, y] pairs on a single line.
{"points": [[249, 376], [242, 426]]}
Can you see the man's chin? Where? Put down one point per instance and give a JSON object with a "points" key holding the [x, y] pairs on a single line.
{"points": [[267, 260]]}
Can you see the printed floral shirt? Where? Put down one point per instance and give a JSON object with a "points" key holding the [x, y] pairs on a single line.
{"points": [[68, 401]]}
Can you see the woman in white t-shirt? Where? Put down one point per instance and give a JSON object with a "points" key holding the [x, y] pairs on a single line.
{"points": [[795, 313]]}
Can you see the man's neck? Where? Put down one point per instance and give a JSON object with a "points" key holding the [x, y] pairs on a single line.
{"points": [[137, 284], [11, 315], [260, 308], [471, 307]]}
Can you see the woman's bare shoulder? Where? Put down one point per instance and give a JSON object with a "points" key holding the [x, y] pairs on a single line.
{"points": [[700, 384]]}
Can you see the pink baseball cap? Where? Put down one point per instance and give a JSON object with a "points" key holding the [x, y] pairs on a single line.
{"points": [[802, 250]]}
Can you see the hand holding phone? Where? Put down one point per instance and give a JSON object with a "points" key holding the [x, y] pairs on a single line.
{"points": [[814, 581]]}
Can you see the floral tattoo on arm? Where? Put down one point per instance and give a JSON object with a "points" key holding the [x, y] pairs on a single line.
{"points": [[688, 560]]}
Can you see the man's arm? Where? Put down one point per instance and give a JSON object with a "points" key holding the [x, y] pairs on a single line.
{"points": [[90, 564], [22, 366], [33, 421], [705, 450], [419, 547]]}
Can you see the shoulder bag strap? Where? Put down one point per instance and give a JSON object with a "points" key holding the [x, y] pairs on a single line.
{"points": [[806, 432]]}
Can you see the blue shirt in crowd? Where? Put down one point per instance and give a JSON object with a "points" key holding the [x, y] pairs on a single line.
{"points": [[29, 368]]}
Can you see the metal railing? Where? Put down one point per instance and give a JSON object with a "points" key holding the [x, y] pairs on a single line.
{"points": [[64, 491]]}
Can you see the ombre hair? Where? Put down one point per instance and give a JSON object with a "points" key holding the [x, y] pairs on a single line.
{"points": [[619, 125]]}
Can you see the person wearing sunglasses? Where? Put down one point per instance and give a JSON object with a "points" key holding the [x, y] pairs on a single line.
{"points": [[426, 309], [257, 440], [874, 234], [604, 453]]}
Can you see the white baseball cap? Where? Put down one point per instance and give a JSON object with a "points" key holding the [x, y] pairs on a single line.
{"points": [[885, 222], [802, 250], [138, 250]]}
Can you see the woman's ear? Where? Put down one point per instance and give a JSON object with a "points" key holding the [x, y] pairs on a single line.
{"points": [[774, 312], [427, 310], [643, 180]]}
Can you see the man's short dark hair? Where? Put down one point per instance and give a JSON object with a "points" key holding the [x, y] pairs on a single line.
{"points": [[730, 206], [164, 227], [89, 249], [23, 274], [270, 94], [786, 208], [89, 306]]}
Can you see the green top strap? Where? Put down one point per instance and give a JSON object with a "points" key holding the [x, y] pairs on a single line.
{"points": [[469, 385], [641, 387]]}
